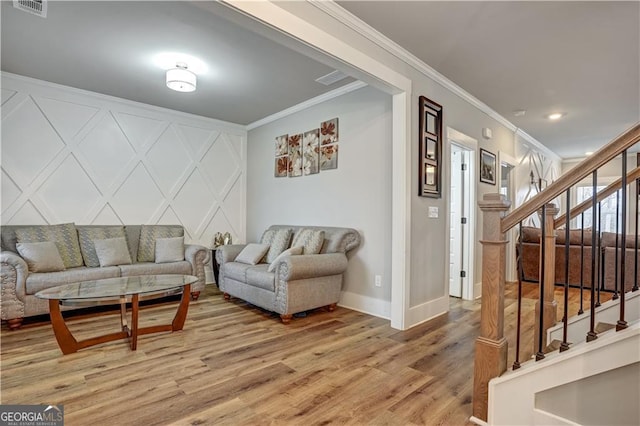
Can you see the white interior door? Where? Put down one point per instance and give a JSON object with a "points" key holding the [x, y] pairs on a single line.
{"points": [[508, 189], [455, 284]]}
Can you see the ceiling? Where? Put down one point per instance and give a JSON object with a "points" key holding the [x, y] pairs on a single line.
{"points": [[109, 48], [579, 58]]}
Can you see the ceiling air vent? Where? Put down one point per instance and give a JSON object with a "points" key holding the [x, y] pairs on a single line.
{"points": [[35, 7], [331, 78]]}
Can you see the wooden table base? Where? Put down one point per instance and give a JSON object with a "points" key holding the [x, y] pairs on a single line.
{"points": [[68, 344]]}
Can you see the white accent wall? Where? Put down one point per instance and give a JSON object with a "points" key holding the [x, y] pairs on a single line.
{"points": [[357, 194], [70, 155]]}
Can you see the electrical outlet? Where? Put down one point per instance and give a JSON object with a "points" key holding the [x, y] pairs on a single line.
{"points": [[378, 281]]}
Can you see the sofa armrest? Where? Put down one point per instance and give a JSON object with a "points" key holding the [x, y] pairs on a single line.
{"points": [[311, 266], [228, 253], [13, 277], [197, 256]]}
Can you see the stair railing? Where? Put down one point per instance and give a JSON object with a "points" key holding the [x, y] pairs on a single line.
{"points": [[491, 345]]}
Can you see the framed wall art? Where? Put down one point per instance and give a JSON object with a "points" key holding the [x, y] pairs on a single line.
{"points": [[430, 142], [487, 167]]}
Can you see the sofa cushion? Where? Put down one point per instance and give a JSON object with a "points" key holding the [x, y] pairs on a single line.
{"points": [[278, 240], [41, 257], [169, 249], [148, 236], [252, 254], [310, 239], [293, 251], [259, 276], [87, 235], [40, 281], [112, 251], [152, 268], [65, 236]]}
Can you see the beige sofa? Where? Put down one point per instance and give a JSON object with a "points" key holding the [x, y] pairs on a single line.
{"points": [[19, 285], [299, 282]]}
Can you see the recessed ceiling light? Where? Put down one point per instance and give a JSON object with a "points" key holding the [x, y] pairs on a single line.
{"points": [[556, 115], [588, 153]]}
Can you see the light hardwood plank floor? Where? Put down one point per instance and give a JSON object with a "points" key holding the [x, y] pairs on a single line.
{"points": [[236, 364]]}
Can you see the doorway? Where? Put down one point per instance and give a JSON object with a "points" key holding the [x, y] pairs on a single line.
{"points": [[508, 189], [461, 227]]}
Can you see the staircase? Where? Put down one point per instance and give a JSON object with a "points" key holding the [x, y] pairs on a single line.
{"points": [[593, 355]]}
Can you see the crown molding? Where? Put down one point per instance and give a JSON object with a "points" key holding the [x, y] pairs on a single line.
{"points": [[347, 88], [365, 30], [229, 126]]}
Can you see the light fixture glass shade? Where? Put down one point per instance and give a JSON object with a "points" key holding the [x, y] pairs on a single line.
{"points": [[181, 79]]}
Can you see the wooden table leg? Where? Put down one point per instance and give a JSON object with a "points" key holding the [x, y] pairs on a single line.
{"points": [[123, 315], [181, 314], [134, 322], [68, 344]]}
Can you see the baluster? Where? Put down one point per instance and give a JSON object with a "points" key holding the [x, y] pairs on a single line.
{"points": [[622, 323], [581, 310], [599, 261], [540, 353], [591, 335], [615, 257], [635, 245], [565, 345], [516, 363]]}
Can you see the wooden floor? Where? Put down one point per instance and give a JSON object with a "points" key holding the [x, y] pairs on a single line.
{"points": [[235, 364]]}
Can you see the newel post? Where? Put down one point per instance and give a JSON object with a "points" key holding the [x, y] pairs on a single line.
{"points": [[548, 279], [491, 346]]}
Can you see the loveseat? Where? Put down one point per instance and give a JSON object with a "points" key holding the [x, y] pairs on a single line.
{"points": [[300, 270], [81, 253]]}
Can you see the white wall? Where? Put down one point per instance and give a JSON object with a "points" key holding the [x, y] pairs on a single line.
{"points": [[357, 194], [70, 155]]}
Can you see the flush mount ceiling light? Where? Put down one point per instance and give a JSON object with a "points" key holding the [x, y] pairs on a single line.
{"points": [[556, 116], [181, 79]]}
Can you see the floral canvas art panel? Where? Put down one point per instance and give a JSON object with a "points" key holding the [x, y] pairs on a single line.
{"points": [[329, 157], [329, 131], [311, 152], [295, 155], [282, 147], [282, 166]]}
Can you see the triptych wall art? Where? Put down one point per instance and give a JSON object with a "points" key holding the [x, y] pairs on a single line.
{"points": [[309, 152]]}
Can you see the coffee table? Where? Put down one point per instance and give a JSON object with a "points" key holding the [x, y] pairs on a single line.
{"points": [[112, 291]]}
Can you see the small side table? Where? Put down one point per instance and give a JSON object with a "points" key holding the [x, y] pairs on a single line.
{"points": [[216, 267]]}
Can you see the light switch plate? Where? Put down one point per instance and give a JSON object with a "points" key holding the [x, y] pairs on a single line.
{"points": [[433, 212]]}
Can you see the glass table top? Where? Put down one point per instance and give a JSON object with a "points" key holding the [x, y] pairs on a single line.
{"points": [[117, 287]]}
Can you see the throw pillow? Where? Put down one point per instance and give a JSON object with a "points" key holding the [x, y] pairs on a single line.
{"points": [[87, 235], [310, 239], [293, 251], [148, 236], [64, 236], [112, 252], [252, 254], [41, 257], [169, 250], [278, 241]]}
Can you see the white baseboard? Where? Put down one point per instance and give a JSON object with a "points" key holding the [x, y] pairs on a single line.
{"points": [[426, 311], [477, 290], [366, 304]]}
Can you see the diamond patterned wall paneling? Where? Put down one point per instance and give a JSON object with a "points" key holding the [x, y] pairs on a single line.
{"points": [[75, 156]]}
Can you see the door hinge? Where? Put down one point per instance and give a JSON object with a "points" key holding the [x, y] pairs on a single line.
{"points": [[464, 167], [463, 220], [463, 274]]}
